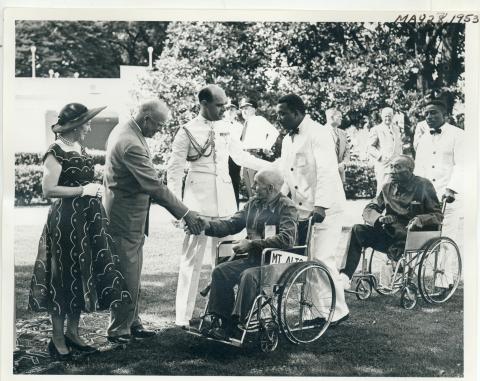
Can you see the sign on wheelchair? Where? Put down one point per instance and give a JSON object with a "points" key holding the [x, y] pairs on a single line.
{"points": [[287, 303]]}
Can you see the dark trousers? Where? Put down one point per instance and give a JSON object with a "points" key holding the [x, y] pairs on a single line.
{"points": [[234, 172], [225, 276], [365, 236], [302, 232]]}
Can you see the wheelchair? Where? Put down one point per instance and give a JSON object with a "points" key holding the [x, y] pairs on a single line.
{"points": [[284, 304], [430, 268]]}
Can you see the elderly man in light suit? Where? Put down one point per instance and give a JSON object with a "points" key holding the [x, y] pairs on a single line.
{"points": [[340, 139], [439, 158], [309, 165], [385, 142], [131, 182], [205, 142]]}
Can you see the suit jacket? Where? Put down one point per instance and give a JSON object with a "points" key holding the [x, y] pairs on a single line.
{"points": [[310, 169], [130, 182], [208, 186], [342, 148], [384, 143]]}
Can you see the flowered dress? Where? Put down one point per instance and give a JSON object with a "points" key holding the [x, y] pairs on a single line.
{"points": [[76, 269]]}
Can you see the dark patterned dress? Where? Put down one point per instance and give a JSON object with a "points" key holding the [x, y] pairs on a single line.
{"points": [[75, 268]]}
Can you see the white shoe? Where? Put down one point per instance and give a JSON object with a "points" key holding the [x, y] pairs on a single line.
{"points": [[346, 281]]}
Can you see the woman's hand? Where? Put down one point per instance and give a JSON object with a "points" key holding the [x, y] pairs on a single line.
{"points": [[93, 190]]}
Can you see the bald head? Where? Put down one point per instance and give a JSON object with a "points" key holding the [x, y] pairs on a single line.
{"points": [[401, 169], [153, 106], [334, 117], [405, 160], [212, 100], [267, 184], [151, 115]]}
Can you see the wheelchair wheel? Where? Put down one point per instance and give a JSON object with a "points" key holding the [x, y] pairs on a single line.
{"points": [[268, 337], [408, 298], [385, 283], [363, 289], [304, 312], [440, 270]]}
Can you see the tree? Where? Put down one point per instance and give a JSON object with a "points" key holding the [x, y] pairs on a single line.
{"points": [[357, 67], [91, 48]]}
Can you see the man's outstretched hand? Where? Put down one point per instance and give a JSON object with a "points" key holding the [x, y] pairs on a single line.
{"points": [[194, 222], [200, 223]]}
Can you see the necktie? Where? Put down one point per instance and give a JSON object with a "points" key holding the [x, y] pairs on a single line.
{"points": [[293, 132]]}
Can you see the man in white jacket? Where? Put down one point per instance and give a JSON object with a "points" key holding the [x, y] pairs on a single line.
{"points": [[258, 136], [309, 165], [439, 158], [205, 142]]}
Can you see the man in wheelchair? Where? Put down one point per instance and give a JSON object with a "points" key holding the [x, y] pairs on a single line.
{"points": [[270, 219], [409, 202]]}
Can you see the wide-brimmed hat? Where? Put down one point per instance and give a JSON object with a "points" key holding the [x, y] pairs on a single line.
{"points": [[74, 115]]}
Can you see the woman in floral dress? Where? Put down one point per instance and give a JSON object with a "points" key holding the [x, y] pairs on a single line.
{"points": [[75, 269]]}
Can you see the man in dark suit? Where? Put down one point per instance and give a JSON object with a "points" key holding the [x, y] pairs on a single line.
{"points": [[408, 201], [131, 183]]}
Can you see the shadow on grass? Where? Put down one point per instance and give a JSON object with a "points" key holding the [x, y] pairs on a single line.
{"points": [[379, 339]]}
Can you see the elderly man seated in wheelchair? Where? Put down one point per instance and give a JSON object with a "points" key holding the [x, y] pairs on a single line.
{"points": [[270, 219], [409, 202]]}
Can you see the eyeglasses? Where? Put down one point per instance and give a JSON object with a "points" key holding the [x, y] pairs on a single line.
{"points": [[157, 123]]}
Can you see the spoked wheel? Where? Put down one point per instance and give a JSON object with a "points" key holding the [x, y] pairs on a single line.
{"points": [[363, 289], [408, 298], [440, 270], [269, 337], [388, 276], [307, 303]]}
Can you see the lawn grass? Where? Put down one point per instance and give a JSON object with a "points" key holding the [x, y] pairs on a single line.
{"points": [[379, 339]]}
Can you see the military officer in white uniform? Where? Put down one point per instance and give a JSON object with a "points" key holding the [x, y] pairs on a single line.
{"points": [[385, 142], [309, 165], [206, 143], [439, 158]]}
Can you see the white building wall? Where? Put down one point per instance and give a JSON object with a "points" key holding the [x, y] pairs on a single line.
{"points": [[35, 96]]}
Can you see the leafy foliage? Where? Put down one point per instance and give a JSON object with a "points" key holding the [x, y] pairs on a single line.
{"points": [[91, 48], [28, 184], [356, 67]]}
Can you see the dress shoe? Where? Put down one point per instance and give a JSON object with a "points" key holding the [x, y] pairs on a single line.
{"points": [[82, 348], [55, 354], [121, 339], [335, 323], [318, 321], [219, 333], [141, 333]]}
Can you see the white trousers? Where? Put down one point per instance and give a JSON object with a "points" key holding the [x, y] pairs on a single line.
{"points": [[382, 174], [452, 228], [193, 252], [323, 247]]}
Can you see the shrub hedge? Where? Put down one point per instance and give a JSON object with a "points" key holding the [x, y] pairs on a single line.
{"points": [[360, 178]]}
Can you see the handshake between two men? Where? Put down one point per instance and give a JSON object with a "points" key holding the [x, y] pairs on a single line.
{"points": [[197, 224]]}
